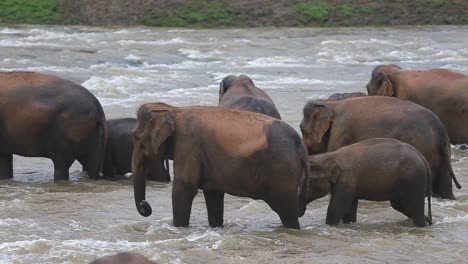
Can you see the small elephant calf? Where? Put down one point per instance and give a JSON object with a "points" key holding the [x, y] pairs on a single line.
{"points": [[379, 169]]}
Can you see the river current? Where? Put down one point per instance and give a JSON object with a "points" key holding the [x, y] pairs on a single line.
{"points": [[77, 221]]}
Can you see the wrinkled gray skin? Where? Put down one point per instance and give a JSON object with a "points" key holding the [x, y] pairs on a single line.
{"points": [[342, 96], [442, 91], [379, 169], [239, 92], [123, 258], [330, 125], [119, 150], [46, 116], [221, 150]]}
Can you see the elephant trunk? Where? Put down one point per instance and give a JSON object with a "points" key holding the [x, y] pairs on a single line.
{"points": [[139, 186]]}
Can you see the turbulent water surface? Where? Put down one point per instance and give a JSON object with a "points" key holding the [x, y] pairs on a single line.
{"points": [[46, 222]]}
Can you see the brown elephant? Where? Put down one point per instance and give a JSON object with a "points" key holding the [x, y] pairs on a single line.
{"points": [[119, 151], [330, 125], [45, 116], [213, 151], [239, 92], [378, 169], [123, 258], [342, 96], [442, 91]]}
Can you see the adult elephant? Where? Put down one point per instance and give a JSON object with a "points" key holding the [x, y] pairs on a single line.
{"points": [[119, 151], [239, 92], [330, 125], [213, 151], [342, 96], [442, 91], [45, 116]]}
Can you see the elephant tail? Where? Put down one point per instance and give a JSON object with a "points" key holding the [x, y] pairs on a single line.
{"points": [[303, 188], [452, 174], [429, 188]]}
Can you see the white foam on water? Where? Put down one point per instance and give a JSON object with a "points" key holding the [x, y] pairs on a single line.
{"points": [[128, 42], [10, 222], [293, 80], [196, 54], [204, 235], [10, 31], [47, 69], [277, 61], [453, 219], [20, 245], [10, 43]]}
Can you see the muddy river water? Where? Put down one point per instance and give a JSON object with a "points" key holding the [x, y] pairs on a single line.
{"points": [[74, 222]]}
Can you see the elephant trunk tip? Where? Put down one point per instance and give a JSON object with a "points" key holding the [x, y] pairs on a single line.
{"points": [[144, 208], [458, 185]]}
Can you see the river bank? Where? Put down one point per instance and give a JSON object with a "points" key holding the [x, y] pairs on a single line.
{"points": [[242, 13]]}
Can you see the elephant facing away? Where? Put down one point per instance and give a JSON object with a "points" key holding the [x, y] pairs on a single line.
{"points": [[213, 151], [442, 91], [379, 169], [342, 96], [330, 125], [119, 151], [123, 258], [45, 116], [239, 92]]}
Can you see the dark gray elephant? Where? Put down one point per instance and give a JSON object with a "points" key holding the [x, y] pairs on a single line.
{"points": [[330, 125], [239, 92], [442, 91], [119, 150], [221, 150], [379, 169], [123, 258], [45, 116], [342, 96]]}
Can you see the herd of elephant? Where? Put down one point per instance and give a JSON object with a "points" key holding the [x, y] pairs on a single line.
{"points": [[392, 144]]}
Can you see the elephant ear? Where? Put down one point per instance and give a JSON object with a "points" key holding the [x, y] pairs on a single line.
{"points": [[322, 119], [225, 83], [162, 127], [383, 86], [333, 169]]}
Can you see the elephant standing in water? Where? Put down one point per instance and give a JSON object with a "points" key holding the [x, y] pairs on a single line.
{"points": [[378, 169], [119, 150], [241, 93], [442, 91], [45, 116], [330, 125], [221, 150]]}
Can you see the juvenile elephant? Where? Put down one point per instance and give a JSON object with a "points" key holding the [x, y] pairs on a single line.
{"points": [[119, 151], [442, 91], [330, 125], [379, 169], [239, 92], [45, 116], [123, 258], [213, 151], [342, 96]]}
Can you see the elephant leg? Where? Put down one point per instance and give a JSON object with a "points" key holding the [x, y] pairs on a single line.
{"points": [[285, 205], [6, 166], [340, 203], [61, 168], [91, 164], [215, 206], [443, 187], [351, 215], [182, 198], [414, 206], [108, 170]]}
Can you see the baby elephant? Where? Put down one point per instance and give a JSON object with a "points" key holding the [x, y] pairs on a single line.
{"points": [[118, 156], [123, 258], [378, 169]]}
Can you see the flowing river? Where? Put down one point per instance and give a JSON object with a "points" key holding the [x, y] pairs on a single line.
{"points": [[77, 221]]}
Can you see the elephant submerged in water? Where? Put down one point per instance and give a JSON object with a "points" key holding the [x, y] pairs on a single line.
{"points": [[45, 116], [119, 151], [379, 169], [442, 91], [240, 92], [330, 125], [213, 151]]}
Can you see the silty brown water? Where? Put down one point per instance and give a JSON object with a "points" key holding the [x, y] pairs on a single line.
{"points": [[46, 222]]}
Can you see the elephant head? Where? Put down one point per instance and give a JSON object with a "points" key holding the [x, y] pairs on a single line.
{"points": [[155, 125], [316, 126], [231, 80], [323, 176], [380, 83]]}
